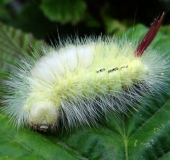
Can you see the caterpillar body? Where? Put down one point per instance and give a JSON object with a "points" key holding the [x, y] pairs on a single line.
{"points": [[78, 80]]}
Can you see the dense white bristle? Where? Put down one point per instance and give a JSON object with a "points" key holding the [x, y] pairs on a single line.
{"points": [[79, 80]]}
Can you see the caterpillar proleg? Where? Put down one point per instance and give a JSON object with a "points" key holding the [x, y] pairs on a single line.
{"points": [[75, 81]]}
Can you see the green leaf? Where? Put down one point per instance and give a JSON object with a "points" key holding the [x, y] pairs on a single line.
{"points": [[64, 11], [141, 135], [26, 20], [4, 10], [4, 2], [165, 29], [26, 144], [13, 44], [112, 24]]}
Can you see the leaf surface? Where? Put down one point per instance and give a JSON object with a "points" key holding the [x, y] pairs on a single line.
{"points": [[64, 11]]}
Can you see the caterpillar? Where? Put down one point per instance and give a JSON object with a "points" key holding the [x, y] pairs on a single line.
{"points": [[76, 81]]}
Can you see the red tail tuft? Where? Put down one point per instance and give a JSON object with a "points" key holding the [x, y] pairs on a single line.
{"points": [[149, 35]]}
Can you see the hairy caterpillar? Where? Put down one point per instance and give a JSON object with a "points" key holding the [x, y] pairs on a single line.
{"points": [[75, 81]]}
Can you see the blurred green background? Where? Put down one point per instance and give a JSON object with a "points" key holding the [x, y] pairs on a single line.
{"points": [[45, 18]]}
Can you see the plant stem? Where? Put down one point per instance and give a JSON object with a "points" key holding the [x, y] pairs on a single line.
{"points": [[125, 138]]}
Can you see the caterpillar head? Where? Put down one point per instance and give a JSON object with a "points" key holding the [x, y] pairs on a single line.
{"points": [[43, 115]]}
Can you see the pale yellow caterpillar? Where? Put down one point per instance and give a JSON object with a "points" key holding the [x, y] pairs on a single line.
{"points": [[74, 82]]}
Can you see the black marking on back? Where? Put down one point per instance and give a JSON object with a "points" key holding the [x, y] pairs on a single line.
{"points": [[123, 67], [101, 70], [113, 69]]}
